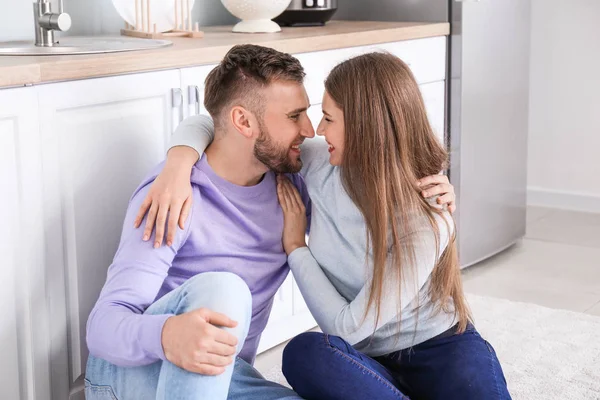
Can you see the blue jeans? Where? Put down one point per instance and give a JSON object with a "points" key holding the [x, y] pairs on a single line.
{"points": [[449, 367], [221, 292]]}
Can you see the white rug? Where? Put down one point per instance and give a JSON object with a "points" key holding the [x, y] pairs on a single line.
{"points": [[545, 353]]}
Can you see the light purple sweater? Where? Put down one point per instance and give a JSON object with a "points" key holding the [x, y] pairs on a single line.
{"points": [[230, 228]]}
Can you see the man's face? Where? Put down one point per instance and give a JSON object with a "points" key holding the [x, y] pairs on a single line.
{"points": [[284, 127]]}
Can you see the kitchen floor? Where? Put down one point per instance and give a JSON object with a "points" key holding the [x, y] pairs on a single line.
{"points": [[556, 265]]}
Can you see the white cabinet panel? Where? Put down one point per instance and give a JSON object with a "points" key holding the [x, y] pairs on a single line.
{"points": [[100, 138], [288, 317], [426, 58], [434, 96], [300, 306], [315, 114], [24, 367], [192, 84]]}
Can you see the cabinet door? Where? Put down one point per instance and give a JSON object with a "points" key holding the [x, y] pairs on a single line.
{"points": [[192, 84], [280, 316], [100, 138], [425, 57], [434, 97], [315, 114], [24, 367]]}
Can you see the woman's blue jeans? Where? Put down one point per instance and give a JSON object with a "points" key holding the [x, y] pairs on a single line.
{"points": [[450, 367]]}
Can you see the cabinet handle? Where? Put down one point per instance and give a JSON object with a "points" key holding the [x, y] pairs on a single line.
{"points": [[176, 110], [194, 100]]}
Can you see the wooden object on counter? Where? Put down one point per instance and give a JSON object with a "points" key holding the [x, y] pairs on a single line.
{"points": [[27, 70], [147, 28]]}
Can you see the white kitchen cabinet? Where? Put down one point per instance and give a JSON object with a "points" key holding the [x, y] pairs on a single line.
{"points": [[100, 138], [24, 343], [71, 155], [434, 97], [425, 57], [192, 85], [315, 114]]}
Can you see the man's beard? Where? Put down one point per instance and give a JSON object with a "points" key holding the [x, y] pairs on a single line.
{"points": [[275, 157]]}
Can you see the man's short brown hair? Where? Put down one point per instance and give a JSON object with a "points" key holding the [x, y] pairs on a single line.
{"points": [[243, 72]]}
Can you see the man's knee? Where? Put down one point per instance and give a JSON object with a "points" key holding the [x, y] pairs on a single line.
{"points": [[221, 292]]}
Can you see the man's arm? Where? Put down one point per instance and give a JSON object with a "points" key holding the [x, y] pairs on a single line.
{"points": [[117, 329]]}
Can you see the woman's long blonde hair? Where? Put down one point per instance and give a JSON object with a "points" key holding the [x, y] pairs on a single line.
{"points": [[389, 145]]}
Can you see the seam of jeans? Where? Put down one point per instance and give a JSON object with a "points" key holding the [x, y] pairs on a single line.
{"points": [[102, 389], [361, 366], [492, 362]]}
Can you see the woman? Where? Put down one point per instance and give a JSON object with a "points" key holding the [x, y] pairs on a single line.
{"points": [[381, 276], [405, 331]]}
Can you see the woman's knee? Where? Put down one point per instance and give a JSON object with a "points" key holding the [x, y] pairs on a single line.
{"points": [[303, 354], [304, 345]]}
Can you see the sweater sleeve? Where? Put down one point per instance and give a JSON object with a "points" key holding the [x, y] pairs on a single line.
{"points": [[314, 155], [118, 331], [197, 132], [338, 316]]}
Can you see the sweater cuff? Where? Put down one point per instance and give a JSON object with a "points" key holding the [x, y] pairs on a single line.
{"points": [[296, 257], [151, 334], [187, 137], [196, 132]]}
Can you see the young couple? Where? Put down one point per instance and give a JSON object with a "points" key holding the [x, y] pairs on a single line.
{"points": [[381, 274]]}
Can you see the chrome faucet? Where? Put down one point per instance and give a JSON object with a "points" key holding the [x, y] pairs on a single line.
{"points": [[47, 22]]}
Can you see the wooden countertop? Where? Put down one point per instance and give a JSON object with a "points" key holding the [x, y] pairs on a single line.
{"points": [[27, 70]]}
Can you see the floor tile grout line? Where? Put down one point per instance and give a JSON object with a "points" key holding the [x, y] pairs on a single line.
{"points": [[558, 242], [538, 219], [593, 305]]}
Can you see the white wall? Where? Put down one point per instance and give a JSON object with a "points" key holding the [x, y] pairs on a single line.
{"points": [[93, 17], [564, 137], [16, 20]]}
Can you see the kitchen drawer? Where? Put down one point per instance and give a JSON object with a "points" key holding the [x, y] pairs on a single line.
{"points": [[426, 58]]}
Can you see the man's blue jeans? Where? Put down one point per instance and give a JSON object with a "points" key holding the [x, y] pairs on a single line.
{"points": [[218, 291], [453, 367]]}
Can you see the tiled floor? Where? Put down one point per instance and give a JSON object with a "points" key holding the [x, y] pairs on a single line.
{"points": [[556, 265]]}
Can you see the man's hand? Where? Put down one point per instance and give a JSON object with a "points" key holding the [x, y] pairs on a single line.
{"points": [[439, 185], [193, 341]]}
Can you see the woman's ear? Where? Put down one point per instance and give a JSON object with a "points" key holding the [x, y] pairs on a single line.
{"points": [[243, 121]]}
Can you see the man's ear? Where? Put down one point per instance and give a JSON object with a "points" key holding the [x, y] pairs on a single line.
{"points": [[243, 121]]}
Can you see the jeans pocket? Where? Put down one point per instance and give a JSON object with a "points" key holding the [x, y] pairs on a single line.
{"points": [[98, 392]]}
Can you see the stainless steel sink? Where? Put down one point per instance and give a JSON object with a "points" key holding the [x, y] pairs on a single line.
{"points": [[81, 45]]}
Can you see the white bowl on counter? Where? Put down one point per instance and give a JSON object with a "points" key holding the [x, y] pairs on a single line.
{"points": [[256, 15]]}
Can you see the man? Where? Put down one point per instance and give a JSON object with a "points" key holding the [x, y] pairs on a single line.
{"points": [[170, 320]]}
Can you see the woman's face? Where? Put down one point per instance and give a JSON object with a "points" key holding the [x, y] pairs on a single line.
{"points": [[332, 128]]}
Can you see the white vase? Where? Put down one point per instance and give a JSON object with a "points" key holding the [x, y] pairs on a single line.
{"points": [[256, 15]]}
